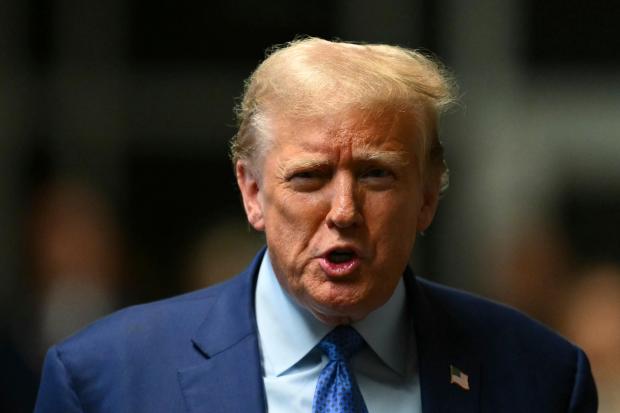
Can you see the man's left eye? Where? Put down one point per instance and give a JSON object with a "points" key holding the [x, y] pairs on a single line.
{"points": [[377, 173]]}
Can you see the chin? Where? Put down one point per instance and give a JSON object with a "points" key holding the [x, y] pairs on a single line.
{"points": [[335, 302], [334, 321], [333, 318], [334, 314]]}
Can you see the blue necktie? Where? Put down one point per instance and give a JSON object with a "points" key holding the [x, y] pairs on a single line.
{"points": [[337, 391]]}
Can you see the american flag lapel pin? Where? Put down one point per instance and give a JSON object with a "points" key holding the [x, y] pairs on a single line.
{"points": [[459, 378]]}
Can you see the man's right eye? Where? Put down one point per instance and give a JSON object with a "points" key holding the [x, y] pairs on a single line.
{"points": [[303, 175], [306, 181]]}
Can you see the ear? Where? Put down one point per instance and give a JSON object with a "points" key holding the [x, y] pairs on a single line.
{"points": [[250, 192], [430, 202]]}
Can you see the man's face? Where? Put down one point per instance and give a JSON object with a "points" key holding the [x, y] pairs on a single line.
{"points": [[340, 201]]}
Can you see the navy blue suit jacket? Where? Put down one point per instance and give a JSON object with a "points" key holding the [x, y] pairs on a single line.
{"points": [[199, 353]]}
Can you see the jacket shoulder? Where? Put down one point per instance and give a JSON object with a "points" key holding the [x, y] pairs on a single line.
{"points": [[140, 323], [492, 322], [140, 346], [518, 355]]}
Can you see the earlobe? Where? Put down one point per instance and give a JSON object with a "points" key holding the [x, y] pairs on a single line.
{"points": [[428, 208], [425, 218], [250, 192]]}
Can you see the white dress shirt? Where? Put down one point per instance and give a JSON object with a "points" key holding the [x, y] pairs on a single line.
{"points": [[385, 370]]}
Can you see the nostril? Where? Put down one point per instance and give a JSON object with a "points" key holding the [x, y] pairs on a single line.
{"points": [[343, 217], [344, 209]]}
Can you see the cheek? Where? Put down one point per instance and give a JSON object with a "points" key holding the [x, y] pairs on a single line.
{"points": [[301, 210], [292, 220], [391, 216]]}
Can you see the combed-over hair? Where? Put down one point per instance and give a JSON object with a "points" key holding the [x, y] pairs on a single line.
{"points": [[311, 77]]}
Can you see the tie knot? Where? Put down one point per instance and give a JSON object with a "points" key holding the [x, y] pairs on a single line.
{"points": [[341, 343]]}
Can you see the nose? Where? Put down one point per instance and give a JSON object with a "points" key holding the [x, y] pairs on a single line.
{"points": [[345, 209]]}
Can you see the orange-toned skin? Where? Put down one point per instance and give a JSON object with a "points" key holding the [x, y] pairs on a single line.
{"points": [[352, 181]]}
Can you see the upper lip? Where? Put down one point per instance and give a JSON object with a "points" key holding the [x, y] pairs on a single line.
{"points": [[343, 247]]}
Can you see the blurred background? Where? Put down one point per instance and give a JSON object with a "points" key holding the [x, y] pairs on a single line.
{"points": [[116, 188]]}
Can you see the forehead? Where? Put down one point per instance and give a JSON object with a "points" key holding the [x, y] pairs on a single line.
{"points": [[357, 131]]}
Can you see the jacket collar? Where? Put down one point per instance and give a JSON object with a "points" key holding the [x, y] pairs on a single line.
{"points": [[442, 346], [230, 377]]}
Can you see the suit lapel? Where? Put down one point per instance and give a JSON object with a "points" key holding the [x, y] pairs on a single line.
{"points": [[440, 345], [229, 378]]}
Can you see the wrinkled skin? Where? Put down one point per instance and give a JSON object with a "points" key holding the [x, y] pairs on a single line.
{"points": [[351, 182]]}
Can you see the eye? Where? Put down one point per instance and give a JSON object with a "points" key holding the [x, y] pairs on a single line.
{"points": [[377, 173], [306, 181], [378, 177], [303, 175]]}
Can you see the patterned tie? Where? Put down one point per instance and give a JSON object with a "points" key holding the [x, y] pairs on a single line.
{"points": [[336, 391]]}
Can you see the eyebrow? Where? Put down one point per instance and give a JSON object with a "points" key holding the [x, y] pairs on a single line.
{"points": [[393, 158], [303, 163]]}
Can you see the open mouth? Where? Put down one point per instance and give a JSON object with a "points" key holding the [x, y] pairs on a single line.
{"points": [[340, 256], [340, 262]]}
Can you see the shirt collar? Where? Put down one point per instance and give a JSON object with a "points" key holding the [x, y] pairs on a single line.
{"points": [[288, 331], [386, 330]]}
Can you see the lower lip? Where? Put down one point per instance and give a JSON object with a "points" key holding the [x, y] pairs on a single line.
{"points": [[339, 269]]}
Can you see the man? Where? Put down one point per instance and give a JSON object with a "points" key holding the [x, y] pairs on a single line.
{"points": [[338, 161]]}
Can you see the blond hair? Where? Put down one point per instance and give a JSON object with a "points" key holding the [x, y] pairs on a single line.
{"points": [[311, 77]]}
